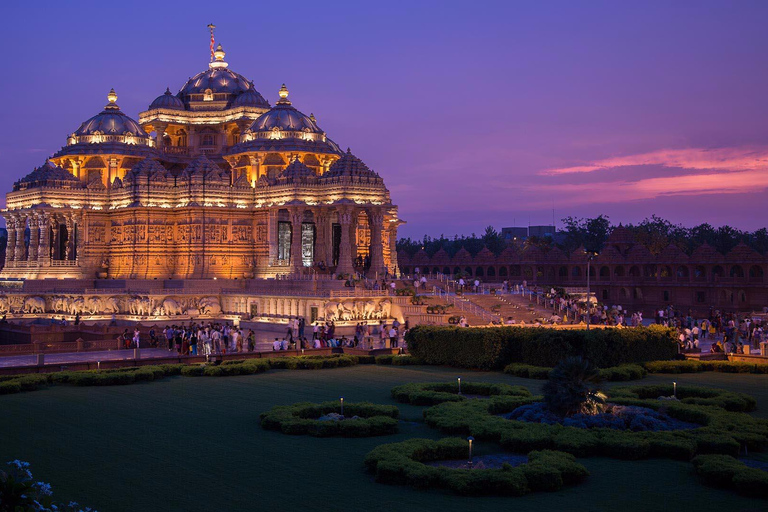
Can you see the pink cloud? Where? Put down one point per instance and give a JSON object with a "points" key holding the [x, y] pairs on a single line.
{"points": [[723, 159]]}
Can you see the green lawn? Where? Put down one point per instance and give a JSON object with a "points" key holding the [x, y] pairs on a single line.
{"points": [[194, 444]]}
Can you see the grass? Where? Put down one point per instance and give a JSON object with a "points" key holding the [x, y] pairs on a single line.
{"points": [[195, 445]]}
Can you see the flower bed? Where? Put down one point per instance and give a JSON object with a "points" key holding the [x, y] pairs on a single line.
{"points": [[616, 417], [720, 430], [405, 464], [431, 393], [622, 372], [726, 471], [361, 419]]}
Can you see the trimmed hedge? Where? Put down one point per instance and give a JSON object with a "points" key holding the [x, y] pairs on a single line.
{"points": [[721, 431], [695, 366], [619, 373], [404, 464], [301, 419], [398, 360], [726, 471], [431, 393], [494, 348]]}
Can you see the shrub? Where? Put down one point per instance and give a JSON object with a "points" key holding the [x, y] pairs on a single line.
{"points": [[574, 388], [431, 393], [302, 419], [615, 373], [726, 471], [404, 464], [694, 366], [494, 348]]}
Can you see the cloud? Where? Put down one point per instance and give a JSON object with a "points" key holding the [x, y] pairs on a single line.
{"points": [[720, 159]]}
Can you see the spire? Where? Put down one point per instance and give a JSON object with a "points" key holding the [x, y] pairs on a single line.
{"points": [[283, 93], [219, 55], [112, 98]]}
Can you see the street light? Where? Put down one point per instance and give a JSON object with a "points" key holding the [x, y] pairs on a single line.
{"points": [[342, 406], [459, 379], [470, 439]]}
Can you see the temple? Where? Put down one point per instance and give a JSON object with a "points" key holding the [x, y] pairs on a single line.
{"points": [[210, 182]]}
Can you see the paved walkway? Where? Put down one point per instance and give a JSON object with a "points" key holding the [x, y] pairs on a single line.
{"points": [[80, 357]]}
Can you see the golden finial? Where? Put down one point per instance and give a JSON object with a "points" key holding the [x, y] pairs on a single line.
{"points": [[283, 93], [112, 96], [312, 118]]}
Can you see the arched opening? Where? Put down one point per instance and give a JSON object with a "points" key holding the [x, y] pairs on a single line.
{"points": [[479, 272], [605, 272], [634, 271], [618, 271], [562, 272], [666, 271], [624, 293], [515, 271], [503, 272], [491, 272], [446, 271], [756, 273], [699, 272], [737, 271], [666, 295], [682, 272], [649, 271], [468, 271], [456, 270], [717, 272], [576, 272]]}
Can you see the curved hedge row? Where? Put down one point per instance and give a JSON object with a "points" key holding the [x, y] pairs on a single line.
{"points": [[302, 419], [725, 471], [728, 400], [619, 373], [431, 393], [494, 348], [694, 366], [722, 431], [404, 464]]}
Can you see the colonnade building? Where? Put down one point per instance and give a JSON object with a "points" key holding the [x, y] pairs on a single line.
{"points": [[212, 181]]}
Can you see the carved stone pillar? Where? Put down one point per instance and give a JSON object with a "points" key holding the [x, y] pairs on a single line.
{"points": [[345, 247], [70, 247], [34, 238], [10, 249], [44, 251], [160, 131], [376, 220], [19, 248], [56, 232], [296, 259], [321, 229]]}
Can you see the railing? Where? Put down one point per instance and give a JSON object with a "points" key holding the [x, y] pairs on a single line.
{"points": [[359, 292], [64, 263], [464, 304], [176, 150]]}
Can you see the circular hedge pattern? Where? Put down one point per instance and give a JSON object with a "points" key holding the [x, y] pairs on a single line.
{"points": [[431, 393], [302, 419], [404, 464], [722, 431]]}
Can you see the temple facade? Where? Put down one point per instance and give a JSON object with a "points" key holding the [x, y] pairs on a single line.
{"points": [[210, 182]]}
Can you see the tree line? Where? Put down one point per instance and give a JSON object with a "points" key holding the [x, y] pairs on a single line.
{"points": [[592, 233]]}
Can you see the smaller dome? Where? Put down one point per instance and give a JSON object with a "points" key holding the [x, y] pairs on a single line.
{"points": [[111, 121], [250, 98], [349, 165], [167, 101], [283, 116]]}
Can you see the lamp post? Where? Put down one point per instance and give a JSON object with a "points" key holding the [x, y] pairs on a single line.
{"points": [[674, 389], [459, 379], [470, 439], [342, 406]]}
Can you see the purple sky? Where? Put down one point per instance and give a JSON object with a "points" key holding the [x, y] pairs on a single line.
{"points": [[474, 113]]}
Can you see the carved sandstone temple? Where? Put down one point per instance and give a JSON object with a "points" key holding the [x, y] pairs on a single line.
{"points": [[211, 182]]}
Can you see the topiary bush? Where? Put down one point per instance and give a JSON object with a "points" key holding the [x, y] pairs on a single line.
{"points": [[494, 348], [363, 419], [404, 464], [574, 388], [726, 471], [431, 393]]}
